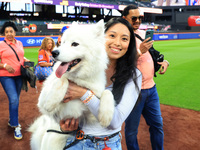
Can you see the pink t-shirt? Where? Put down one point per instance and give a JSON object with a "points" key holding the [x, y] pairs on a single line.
{"points": [[145, 64], [8, 56]]}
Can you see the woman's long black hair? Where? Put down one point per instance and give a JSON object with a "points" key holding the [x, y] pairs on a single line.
{"points": [[126, 65]]}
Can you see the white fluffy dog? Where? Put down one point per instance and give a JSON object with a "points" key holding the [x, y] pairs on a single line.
{"points": [[83, 60]]}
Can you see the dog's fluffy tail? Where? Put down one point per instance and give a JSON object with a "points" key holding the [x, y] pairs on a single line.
{"points": [[38, 130]]}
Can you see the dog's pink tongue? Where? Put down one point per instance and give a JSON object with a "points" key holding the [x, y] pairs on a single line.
{"points": [[62, 69]]}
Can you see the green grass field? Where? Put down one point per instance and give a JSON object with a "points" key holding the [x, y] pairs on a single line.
{"points": [[179, 86], [32, 54]]}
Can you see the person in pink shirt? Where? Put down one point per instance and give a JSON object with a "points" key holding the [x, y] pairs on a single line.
{"points": [[10, 74], [148, 105]]}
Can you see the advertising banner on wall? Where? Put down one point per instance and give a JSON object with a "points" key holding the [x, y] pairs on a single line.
{"points": [[32, 29], [31, 41], [75, 3], [176, 2], [22, 1], [67, 3], [83, 4], [176, 36], [194, 21]]}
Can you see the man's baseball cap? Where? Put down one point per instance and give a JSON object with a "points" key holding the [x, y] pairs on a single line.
{"points": [[64, 28]]}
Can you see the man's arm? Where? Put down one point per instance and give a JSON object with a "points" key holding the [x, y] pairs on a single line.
{"points": [[164, 66]]}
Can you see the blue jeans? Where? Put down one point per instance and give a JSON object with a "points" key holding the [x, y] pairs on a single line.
{"points": [[12, 86], [86, 144], [149, 107]]}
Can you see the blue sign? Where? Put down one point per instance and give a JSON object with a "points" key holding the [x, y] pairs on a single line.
{"points": [[175, 36], [163, 37], [29, 41]]}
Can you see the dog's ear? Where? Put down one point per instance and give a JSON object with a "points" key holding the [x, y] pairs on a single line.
{"points": [[99, 27]]}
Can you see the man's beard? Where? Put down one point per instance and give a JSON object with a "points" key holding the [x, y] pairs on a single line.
{"points": [[136, 26]]}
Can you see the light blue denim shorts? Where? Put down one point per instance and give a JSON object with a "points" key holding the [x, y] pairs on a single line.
{"points": [[114, 143]]}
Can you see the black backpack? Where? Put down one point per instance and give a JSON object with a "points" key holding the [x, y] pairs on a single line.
{"points": [[156, 56]]}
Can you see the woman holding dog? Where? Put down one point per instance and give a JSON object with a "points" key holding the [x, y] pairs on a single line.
{"points": [[123, 79]]}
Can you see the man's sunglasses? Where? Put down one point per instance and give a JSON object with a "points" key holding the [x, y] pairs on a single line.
{"points": [[135, 18]]}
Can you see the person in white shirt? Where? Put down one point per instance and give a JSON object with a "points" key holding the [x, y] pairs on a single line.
{"points": [[123, 79]]}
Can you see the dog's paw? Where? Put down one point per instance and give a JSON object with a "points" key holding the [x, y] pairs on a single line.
{"points": [[106, 109], [105, 119], [52, 95]]}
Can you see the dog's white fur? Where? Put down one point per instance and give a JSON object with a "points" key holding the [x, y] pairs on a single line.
{"points": [[89, 73]]}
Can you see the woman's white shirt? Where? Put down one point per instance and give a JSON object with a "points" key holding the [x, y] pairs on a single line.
{"points": [[121, 112]]}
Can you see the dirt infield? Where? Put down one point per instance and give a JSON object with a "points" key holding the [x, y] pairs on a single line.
{"points": [[181, 126]]}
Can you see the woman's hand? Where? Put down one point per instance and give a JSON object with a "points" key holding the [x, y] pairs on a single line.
{"points": [[46, 64], [163, 68], [26, 60], [69, 124], [10, 69], [74, 92]]}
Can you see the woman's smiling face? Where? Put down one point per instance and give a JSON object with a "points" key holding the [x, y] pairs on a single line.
{"points": [[49, 45], [10, 33], [117, 41]]}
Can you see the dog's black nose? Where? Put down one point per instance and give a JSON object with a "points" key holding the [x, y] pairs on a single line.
{"points": [[55, 53]]}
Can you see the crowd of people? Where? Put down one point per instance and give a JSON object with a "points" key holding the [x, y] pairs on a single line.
{"points": [[129, 75]]}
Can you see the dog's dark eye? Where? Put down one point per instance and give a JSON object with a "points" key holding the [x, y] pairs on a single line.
{"points": [[74, 44]]}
